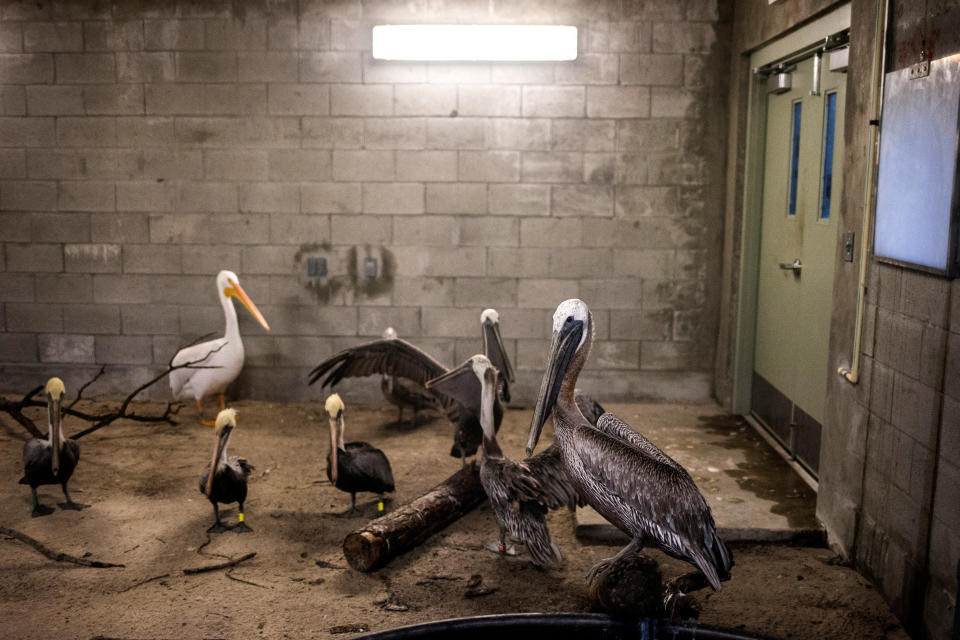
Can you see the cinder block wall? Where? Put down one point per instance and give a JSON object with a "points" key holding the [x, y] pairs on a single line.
{"points": [[144, 146]]}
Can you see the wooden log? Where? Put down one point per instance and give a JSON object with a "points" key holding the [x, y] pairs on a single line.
{"points": [[385, 538]]}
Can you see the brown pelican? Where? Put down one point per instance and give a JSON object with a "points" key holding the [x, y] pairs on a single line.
{"points": [[399, 358], [520, 493], [617, 471], [224, 480], [218, 361], [51, 460], [405, 393], [355, 466]]}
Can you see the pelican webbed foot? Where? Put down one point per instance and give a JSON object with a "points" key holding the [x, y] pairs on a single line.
{"points": [[241, 527], [40, 510], [72, 506], [501, 549]]}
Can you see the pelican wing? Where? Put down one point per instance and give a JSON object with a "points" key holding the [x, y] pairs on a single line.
{"points": [[590, 408], [650, 496], [203, 354], [392, 356], [620, 430], [460, 386], [556, 490]]}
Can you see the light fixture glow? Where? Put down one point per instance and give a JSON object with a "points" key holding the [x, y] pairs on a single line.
{"points": [[472, 42]]}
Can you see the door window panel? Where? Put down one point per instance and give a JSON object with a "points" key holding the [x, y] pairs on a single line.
{"points": [[826, 180], [794, 158]]}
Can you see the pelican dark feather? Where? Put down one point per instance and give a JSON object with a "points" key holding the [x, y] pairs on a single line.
{"points": [[355, 466], [520, 493], [51, 460], [224, 479], [620, 473], [404, 393]]}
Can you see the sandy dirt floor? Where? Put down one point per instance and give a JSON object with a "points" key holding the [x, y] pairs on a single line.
{"points": [[147, 513]]}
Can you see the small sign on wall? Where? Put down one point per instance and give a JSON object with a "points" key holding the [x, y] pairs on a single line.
{"points": [[918, 197]]}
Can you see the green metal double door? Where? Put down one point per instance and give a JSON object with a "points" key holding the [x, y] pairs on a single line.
{"points": [[802, 182]]}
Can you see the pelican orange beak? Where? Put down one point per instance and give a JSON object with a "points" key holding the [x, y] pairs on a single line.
{"points": [[236, 291], [566, 342]]}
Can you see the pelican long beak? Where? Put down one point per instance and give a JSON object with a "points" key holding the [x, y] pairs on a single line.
{"points": [[222, 438], [565, 343], [488, 386], [236, 291], [334, 428], [491, 331], [56, 420]]}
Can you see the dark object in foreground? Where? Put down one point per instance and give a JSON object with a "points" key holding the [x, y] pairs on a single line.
{"points": [[631, 588], [383, 539], [558, 626]]}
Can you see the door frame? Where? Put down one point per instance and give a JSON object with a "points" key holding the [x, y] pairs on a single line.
{"points": [[751, 214]]}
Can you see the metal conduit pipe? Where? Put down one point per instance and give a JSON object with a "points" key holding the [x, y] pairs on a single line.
{"points": [[852, 374]]}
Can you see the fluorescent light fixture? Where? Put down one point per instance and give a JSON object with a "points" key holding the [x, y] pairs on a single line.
{"points": [[473, 42]]}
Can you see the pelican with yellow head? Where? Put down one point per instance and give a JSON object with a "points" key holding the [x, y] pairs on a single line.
{"points": [[217, 362], [51, 460], [224, 479]]}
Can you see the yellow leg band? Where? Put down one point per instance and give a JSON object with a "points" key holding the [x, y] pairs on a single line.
{"points": [[240, 517], [380, 506]]}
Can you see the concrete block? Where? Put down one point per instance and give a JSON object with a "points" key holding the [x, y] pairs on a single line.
{"points": [[119, 228], [11, 37], [331, 66], [13, 164], [206, 67], [545, 293], [245, 228], [248, 34], [15, 227], [520, 199], [684, 37], [580, 263], [27, 132], [363, 165], [666, 356], [675, 294], [618, 102], [122, 99], [521, 73], [145, 132], [582, 135], [394, 133], [84, 68], [350, 34], [269, 259], [59, 227], [65, 348], [361, 100], [551, 166], [615, 354], [651, 69], [634, 324], [424, 100], [313, 33], [240, 164], [423, 292], [458, 73], [123, 349], [86, 132], [34, 258], [64, 287], [489, 100], [177, 35], [270, 197], [92, 258], [31, 317], [648, 135], [488, 231], [113, 35], [449, 322], [520, 134], [18, 347], [607, 293], [299, 230], [146, 196], [371, 321], [396, 198], [16, 287], [330, 197], [634, 169], [52, 36], [91, 318], [146, 66], [914, 409], [932, 356], [643, 201], [151, 258], [456, 198], [207, 197], [358, 229], [889, 287], [526, 324], [464, 348], [489, 166], [899, 342], [26, 68], [302, 352], [923, 297], [310, 321], [600, 168], [209, 259], [532, 354], [299, 164], [441, 231], [672, 102], [440, 261], [553, 102], [582, 200], [425, 166], [391, 72], [54, 100], [550, 232], [267, 66], [589, 68], [86, 196], [333, 133], [457, 133], [645, 263], [697, 71], [150, 320], [523, 263]]}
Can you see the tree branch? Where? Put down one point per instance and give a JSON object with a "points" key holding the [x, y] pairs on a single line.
{"points": [[56, 556]]}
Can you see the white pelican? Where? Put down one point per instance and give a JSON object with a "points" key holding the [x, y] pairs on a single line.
{"points": [[218, 361]]}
